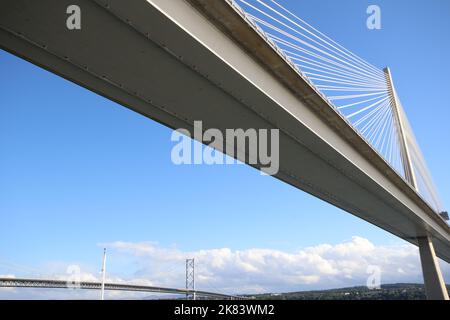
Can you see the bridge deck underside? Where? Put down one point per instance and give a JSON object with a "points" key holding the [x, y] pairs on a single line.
{"points": [[175, 73]]}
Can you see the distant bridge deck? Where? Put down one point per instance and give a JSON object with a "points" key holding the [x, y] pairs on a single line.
{"points": [[65, 284]]}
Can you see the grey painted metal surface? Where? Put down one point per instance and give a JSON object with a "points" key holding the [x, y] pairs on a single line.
{"points": [[169, 62]]}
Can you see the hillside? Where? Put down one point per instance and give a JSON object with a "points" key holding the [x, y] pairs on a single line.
{"points": [[399, 291]]}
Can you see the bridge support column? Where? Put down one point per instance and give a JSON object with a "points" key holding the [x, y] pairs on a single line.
{"points": [[434, 282]]}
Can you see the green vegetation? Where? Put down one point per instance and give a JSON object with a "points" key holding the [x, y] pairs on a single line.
{"points": [[399, 291]]}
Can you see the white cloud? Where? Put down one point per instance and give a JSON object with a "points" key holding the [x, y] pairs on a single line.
{"points": [[254, 270], [263, 270]]}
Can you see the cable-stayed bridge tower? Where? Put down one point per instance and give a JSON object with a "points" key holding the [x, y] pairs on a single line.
{"points": [[434, 282]]}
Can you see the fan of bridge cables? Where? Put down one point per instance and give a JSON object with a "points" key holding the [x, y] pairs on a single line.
{"points": [[362, 93]]}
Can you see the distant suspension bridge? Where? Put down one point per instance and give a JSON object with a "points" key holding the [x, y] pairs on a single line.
{"points": [[189, 291]]}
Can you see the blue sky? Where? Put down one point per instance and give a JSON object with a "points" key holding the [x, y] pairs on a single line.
{"points": [[78, 171]]}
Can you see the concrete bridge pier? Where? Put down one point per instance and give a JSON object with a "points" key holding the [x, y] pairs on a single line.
{"points": [[434, 281]]}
